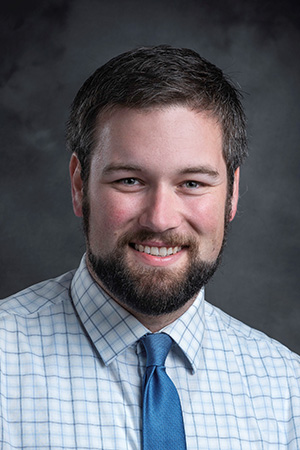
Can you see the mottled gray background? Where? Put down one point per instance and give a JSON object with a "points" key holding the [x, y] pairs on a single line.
{"points": [[48, 48]]}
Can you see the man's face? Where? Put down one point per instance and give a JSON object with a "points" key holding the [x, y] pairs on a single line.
{"points": [[156, 205]]}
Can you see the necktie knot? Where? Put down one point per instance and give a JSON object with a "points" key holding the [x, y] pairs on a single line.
{"points": [[157, 348]]}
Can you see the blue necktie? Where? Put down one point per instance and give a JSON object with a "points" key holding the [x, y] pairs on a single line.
{"points": [[163, 427]]}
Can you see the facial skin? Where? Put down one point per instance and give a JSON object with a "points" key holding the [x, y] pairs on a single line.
{"points": [[156, 196]]}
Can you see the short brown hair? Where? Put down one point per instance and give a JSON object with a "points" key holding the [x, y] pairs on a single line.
{"points": [[155, 77]]}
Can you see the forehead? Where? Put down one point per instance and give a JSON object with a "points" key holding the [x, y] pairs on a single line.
{"points": [[174, 135]]}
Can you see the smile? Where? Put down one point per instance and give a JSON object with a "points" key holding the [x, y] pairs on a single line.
{"points": [[157, 251]]}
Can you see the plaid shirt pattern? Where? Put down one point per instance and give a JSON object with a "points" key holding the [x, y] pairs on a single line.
{"points": [[71, 370]]}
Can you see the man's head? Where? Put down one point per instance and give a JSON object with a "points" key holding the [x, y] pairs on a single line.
{"points": [[158, 76], [158, 136]]}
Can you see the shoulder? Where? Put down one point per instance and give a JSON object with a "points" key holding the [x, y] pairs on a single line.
{"points": [[262, 373], [256, 351], [36, 298]]}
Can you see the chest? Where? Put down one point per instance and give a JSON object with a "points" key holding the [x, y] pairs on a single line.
{"points": [[67, 398]]}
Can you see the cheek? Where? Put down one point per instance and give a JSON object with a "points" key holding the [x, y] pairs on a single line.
{"points": [[108, 221], [111, 215], [208, 215], [119, 217]]}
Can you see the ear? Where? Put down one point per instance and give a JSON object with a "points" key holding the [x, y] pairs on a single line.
{"points": [[76, 185], [235, 194]]}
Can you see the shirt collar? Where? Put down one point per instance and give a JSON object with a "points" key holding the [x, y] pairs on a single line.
{"points": [[112, 329], [188, 331]]}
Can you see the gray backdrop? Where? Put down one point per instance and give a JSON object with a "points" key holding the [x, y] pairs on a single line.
{"points": [[50, 47]]}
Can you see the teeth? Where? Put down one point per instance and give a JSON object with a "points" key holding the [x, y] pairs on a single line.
{"points": [[157, 251], [154, 251], [163, 251]]}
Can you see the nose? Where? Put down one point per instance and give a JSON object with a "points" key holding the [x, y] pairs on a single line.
{"points": [[161, 210]]}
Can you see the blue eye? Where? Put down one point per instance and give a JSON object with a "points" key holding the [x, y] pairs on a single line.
{"points": [[192, 184], [128, 181]]}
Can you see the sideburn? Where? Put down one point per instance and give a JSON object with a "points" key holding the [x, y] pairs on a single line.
{"points": [[85, 211]]}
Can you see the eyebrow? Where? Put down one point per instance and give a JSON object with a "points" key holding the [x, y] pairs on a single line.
{"points": [[206, 170], [121, 167]]}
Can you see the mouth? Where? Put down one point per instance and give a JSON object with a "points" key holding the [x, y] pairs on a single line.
{"points": [[157, 251]]}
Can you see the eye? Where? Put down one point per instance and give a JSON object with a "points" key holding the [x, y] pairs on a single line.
{"points": [[129, 184], [191, 184], [128, 181]]}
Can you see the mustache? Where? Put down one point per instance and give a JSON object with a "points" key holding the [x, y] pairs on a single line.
{"points": [[169, 238]]}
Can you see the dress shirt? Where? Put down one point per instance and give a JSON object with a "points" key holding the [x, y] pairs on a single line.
{"points": [[71, 374]]}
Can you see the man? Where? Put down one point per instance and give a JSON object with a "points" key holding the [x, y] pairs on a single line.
{"points": [[157, 137]]}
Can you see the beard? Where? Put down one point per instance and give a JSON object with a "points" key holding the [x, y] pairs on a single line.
{"points": [[152, 291]]}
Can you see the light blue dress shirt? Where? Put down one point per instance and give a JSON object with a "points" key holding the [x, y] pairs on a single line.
{"points": [[71, 374]]}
